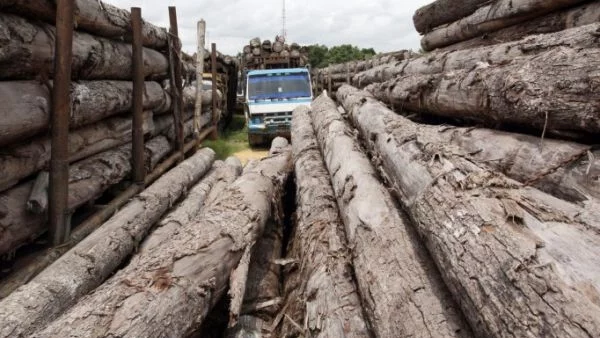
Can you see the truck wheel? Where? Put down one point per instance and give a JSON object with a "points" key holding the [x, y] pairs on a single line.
{"points": [[254, 140]]}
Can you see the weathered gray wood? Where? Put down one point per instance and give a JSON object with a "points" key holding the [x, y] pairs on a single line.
{"points": [[168, 290], [27, 51], [552, 91], [497, 15], [94, 259], [402, 292], [88, 179], [359, 66], [584, 14], [96, 17], [519, 262], [26, 105], [497, 55], [320, 292], [24, 159], [37, 202], [441, 12]]}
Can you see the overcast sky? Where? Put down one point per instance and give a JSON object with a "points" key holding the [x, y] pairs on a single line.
{"points": [[385, 25]]}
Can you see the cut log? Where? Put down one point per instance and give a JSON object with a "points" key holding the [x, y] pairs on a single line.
{"points": [[402, 292], [551, 91], [37, 202], [88, 179], [27, 51], [585, 14], [167, 291], [511, 52], [95, 17], [505, 250], [21, 160], [26, 105], [497, 15], [320, 291], [359, 66], [94, 259], [444, 11]]}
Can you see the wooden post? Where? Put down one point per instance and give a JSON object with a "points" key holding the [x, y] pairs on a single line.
{"points": [[176, 78], [215, 105], [199, 72], [59, 216], [138, 165], [348, 73], [328, 84]]}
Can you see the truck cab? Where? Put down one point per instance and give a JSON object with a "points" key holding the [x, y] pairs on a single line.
{"points": [[271, 96]]}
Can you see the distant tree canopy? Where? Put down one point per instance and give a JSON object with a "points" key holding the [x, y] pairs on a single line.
{"points": [[321, 56]]}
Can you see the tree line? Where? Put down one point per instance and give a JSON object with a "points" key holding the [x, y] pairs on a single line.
{"points": [[322, 56]]}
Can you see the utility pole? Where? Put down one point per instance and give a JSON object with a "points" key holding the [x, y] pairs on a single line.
{"points": [[283, 19]]}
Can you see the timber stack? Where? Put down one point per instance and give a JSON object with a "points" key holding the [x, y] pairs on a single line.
{"points": [[259, 53]]}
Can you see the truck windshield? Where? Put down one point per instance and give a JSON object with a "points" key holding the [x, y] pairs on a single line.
{"points": [[278, 86]]}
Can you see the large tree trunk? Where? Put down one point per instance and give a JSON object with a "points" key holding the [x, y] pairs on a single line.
{"points": [[27, 51], [402, 292], [553, 91], [320, 291], [585, 14], [444, 11], [497, 55], [359, 66], [95, 258], [168, 290], [495, 16], [505, 250], [22, 160], [95, 17], [26, 105], [88, 179]]}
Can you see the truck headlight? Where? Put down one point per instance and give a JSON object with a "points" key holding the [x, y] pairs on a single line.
{"points": [[257, 119]]}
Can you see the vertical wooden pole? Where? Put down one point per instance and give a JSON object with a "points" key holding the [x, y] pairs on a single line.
{"points": [[199, 71], [329, 84], [139, 169], [348, 73], [176, 78], [215, 105], [58, 213]]}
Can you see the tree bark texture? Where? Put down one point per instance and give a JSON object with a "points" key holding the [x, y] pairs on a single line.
{"points": [[444, 11], [166, 291], [495, 16], [505, 250], [496, 55], [26, 107], [94, 17], [27, 51], [552, 91], [359, 66], [320, 292], [402, 292], [88, 179], [584, 14], [21, 160], [93, 260]]}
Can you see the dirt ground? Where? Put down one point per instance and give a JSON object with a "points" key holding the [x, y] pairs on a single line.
{"points": [[248, 154]]}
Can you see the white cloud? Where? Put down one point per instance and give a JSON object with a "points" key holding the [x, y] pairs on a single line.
{"points": [[385, 25]]}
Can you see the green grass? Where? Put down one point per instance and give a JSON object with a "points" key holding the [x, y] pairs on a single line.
{"points": [[232, 140]]}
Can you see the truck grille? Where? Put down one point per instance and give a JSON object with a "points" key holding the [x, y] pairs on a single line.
{"points": [[283, 118]]}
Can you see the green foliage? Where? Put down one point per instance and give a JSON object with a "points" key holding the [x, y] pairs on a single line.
{"points": [[321, 56], [234, 139]]}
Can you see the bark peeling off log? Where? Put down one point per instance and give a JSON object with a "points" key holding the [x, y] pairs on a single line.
{"points": [[555, 90], [534, 283], [320, 291], [27, 51], [93, 260], [495, 16], [168, 290], [403, 293]]}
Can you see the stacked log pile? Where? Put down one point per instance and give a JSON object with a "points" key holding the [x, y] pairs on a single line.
{"points": [[256, 51]]}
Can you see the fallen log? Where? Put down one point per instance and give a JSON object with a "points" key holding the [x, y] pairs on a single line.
{"points": [[93, 260], [88, 179], [406, 295], [553, 92], [533, 282], [26, 105], [95, 17], [22, 160], [178, 282], [320, 291], [495, 16], [444, 11], [585, 14], [27, 51], [497, 55]]}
